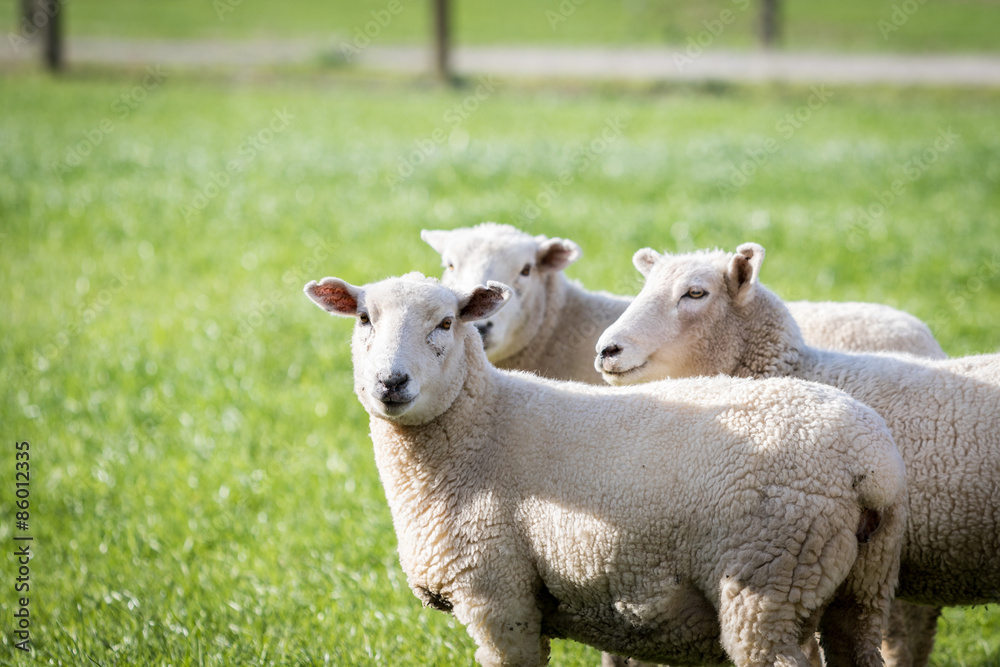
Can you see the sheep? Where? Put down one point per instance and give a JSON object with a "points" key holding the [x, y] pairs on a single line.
{"points": [[690, 521], [552, 324], [706, 313], [851, 326]]}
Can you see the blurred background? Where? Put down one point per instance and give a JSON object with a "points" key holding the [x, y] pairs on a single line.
{"points": [[202, 486]]}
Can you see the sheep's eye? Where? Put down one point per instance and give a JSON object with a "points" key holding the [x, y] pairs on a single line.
{"points": [[526, 271], [363, 318], [450, 267], [445, 324], [696, 293]]}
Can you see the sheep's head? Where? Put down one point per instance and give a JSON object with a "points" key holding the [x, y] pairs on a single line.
{"points": [[409, 340], [682, 322], [476, 255]]}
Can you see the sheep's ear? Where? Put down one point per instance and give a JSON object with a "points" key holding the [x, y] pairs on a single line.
{"points": [[555, 254], [482, 301], [744, 271], [435, 238], [334, 296], [644, 260]]}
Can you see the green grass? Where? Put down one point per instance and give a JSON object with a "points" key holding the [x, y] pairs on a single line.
{"points": [[203, 488], [850, 25]]}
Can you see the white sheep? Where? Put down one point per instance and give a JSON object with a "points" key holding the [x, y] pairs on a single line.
{"points": [[706, 313], [687, 521], [851, 326], [551, 325]]}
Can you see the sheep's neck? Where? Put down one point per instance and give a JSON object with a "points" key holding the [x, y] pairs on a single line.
{"points": [[429, 472], [417, 463], [772, 345], [533, 354]]}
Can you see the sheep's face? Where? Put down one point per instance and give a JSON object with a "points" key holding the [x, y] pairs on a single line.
{"points": [[681, 324], [489, 252], [409, 340]]}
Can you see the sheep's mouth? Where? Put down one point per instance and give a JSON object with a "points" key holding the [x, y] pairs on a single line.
{"points": [[396, 405], [617, 375], [396, 408], [397, 400]]}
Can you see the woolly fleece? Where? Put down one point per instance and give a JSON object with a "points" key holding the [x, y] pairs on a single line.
{"points": [[684, 522], [944, 415], [552, 324]]}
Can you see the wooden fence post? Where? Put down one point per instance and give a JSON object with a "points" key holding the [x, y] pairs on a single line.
{"points": [[54, 35], [770, 23], [45, 16], [442, 40]]}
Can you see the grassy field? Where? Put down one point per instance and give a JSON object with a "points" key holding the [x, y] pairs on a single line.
{"points": [[203, 489], [956, 25]]}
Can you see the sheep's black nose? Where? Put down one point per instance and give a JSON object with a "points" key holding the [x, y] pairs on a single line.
{"points": [[392, 388], [610, 351], [395, 382]]}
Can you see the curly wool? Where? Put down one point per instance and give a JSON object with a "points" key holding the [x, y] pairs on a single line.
{"points": [[944, 414], [562, 322], [688, 522], [559, 321]]}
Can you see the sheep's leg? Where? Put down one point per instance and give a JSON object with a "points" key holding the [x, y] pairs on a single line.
{"points": [[759, 630], [847, 635], [813, 652], [896, 641], [910, 637], [545, 648], [852, 625], [507, 632], [921, 626], [810, 640]]}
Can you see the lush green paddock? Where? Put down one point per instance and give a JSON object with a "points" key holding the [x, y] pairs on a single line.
{"points": [[203, 488], [883, 25]]}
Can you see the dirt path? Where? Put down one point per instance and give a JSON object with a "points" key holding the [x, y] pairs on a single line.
{"points": [[630, 64]]}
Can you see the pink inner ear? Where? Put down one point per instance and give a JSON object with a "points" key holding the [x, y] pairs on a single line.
{"points": [[557, 256], [742, 270], [482, 302], [335, 297]]}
